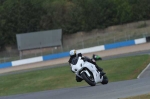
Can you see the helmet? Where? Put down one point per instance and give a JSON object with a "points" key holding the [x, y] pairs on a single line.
{"points": [[72, 52]]}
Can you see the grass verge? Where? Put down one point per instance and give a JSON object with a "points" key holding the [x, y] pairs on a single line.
{"points": [[61, 77], [145, 96]]}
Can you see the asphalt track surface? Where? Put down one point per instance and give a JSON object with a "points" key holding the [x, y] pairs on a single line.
{"points": [[113, 90]]}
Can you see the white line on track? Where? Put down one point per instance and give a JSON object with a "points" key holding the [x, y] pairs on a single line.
{"points": [[143, 71]]}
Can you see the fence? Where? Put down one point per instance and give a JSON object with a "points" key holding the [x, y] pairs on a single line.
{"points": [[84, 40]]}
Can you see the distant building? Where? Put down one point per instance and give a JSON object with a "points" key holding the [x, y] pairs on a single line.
{"points": [[39, 41]]}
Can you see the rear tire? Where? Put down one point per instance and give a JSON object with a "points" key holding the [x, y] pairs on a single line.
{"points": [[105, 80], [87, 79]]}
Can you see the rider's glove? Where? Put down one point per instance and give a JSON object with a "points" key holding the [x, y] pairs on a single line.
{"points": [[79, 54], [83, 59]]}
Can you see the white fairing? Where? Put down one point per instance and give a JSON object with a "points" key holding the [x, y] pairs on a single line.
{"points": [[78, 67]]}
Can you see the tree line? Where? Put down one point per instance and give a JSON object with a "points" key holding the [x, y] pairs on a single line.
{"points": [[22, 16]]}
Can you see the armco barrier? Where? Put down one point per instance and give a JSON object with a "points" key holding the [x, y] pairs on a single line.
{"points": [[55, 56], [5, 65], [66, 54], [27, 61], [140, 41], [92, 49], [119, 44]]}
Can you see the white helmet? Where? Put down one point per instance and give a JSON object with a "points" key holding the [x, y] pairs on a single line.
{"points": [[72, 52]]}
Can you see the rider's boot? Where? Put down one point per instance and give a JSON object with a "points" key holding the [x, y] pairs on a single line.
{"points": [[98, 68], [78, 79]]}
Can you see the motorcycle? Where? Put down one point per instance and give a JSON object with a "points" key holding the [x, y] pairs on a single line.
{"points": [[87, 71]]}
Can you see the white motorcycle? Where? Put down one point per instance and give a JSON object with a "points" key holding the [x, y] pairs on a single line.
{"points": [[87, 71]]}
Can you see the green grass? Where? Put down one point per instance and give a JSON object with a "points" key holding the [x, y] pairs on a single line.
{"points": [[144, 96], [61, 77], [125, 68]]}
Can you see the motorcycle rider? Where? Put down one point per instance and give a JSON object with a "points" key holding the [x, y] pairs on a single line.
{"points": [[73, 54]]}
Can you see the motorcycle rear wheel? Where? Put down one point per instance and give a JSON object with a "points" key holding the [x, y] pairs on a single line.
{"points": [[88, 79]]}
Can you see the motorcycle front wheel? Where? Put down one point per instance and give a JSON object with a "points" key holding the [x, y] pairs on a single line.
{"points": [[105, 80], [89, 80]]}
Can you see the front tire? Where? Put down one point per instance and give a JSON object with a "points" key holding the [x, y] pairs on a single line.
{"points": [[105, 80], [87, 79]]}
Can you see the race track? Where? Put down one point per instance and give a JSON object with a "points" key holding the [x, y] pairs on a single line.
{"points": [[113, 90]]}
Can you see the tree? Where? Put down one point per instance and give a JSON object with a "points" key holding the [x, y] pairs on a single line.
{"points": [[140, 9], [124, 12], [18, 16]]}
